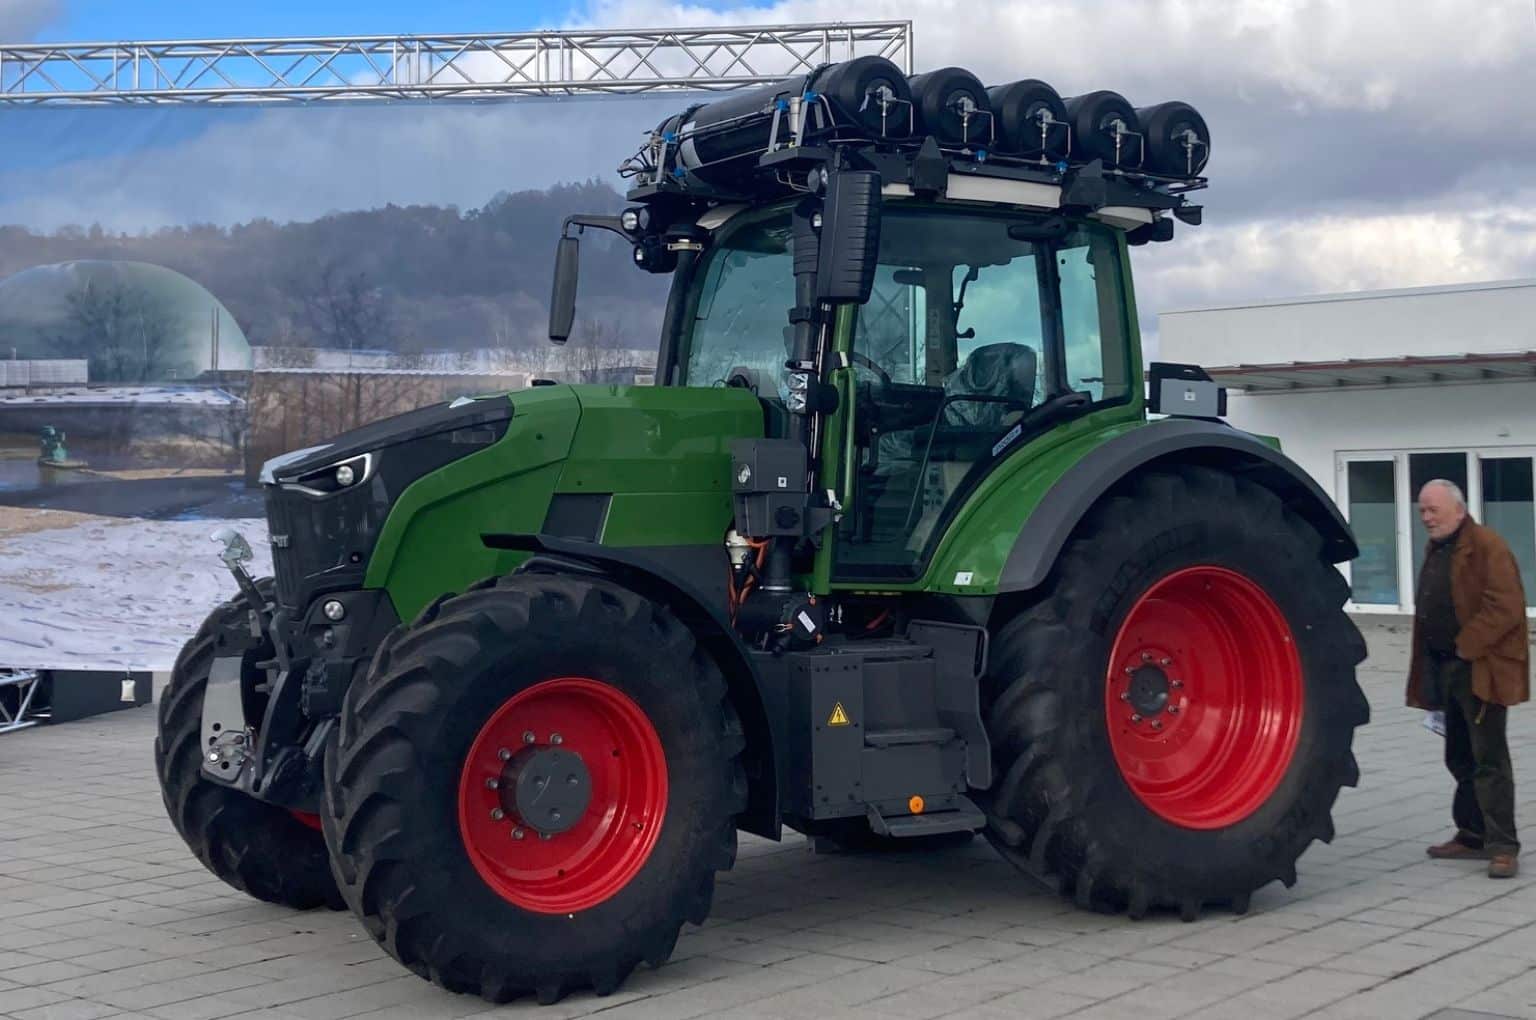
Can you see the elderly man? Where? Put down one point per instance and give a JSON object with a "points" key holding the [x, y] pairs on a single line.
{"points": [[1470, 659]]}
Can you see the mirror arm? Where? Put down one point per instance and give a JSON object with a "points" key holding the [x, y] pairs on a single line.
{"points": [[581, 221]]}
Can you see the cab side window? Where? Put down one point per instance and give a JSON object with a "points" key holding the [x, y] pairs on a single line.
{"points": [[1093, 316]]}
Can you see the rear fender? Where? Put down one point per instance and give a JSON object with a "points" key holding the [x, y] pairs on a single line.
{"points": [[1172, 441]]}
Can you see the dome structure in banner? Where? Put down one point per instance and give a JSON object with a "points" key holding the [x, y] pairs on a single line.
{"points": [[133, 321]]}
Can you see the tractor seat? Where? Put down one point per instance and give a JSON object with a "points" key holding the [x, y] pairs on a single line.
{"points": [[994, 370]]}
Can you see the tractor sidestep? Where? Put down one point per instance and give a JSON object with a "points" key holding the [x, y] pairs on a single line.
{"points": [[964, 817]]}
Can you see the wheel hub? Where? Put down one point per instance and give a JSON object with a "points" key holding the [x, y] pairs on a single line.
{"points": [[547, 789], [1149, 690]]}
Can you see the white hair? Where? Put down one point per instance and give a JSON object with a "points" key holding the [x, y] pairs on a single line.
{"points": [[1448, 486]]}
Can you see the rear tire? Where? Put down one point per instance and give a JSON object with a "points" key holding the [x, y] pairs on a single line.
{"points": [[1225, 793], [422, 807], [260, 849]]}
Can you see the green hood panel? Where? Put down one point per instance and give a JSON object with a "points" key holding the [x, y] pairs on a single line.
{"points": [[661, 454], [431, 543]]}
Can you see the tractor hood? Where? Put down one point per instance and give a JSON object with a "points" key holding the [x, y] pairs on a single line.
{"points": [[616, 465], [327, 505], [402, 503], [422, 423]]}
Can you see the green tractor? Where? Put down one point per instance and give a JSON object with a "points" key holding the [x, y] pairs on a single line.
{"points": [[903, 543]]}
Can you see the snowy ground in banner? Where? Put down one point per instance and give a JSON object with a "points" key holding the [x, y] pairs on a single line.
{"points": [[109, 593]]}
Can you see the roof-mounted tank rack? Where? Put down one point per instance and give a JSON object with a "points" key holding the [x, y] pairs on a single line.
{"points": [[941, 134]]}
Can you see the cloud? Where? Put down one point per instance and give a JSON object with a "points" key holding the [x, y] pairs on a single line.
{"points": [[20, 20], [1344, 253], [1357, 144], [299, 163]]}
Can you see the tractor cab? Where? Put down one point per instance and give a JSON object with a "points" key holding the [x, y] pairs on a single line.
{"points": [[982, 325], [916, 279]]}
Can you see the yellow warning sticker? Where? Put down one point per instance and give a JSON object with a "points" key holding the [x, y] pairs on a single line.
{"points": [[839, 717]]}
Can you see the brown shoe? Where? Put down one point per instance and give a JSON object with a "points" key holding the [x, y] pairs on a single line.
{"points": [[1455, 850], [1503, 866]]}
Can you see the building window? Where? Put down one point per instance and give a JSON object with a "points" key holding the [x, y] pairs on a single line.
{"points": [[1373, 515]]}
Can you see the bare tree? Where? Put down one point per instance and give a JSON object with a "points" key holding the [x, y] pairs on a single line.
{"points": [[591, 356], [345, 312], [126, 333]]}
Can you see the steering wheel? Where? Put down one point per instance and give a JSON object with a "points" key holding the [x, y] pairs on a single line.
{"points": [[862, 359]]}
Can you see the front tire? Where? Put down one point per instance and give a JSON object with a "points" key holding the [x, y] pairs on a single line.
{"points": [[258, 848], [1172, 719], [533, 787]]}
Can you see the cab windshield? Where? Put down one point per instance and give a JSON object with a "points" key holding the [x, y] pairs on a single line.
{"points": [[740, 324]]}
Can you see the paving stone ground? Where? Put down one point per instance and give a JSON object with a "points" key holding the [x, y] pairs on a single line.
{"points": [[103, 913]]}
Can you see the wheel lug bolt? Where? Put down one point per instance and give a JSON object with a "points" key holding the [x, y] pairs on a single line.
{"points": [[545, 836], [1165, 662], [1173, 709], [1129, 671], [1125, 696], [555, 738], [1146, 656], [518, 833], [1178, 683], [528, 737], [497, 814], [1157, 724], [493, 784], [504, 754], [1135, 717]]}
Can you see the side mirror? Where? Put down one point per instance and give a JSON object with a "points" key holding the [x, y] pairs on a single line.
{"points": [[850, 238], [562, 298]]}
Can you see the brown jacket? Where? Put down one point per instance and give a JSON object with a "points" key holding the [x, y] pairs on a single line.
{"points": [[1490, 603]]}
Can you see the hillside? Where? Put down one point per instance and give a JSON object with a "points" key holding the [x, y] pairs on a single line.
{"points": [[405, 278]]}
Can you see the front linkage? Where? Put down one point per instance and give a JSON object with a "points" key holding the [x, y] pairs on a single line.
{"points": [[275, 685]]}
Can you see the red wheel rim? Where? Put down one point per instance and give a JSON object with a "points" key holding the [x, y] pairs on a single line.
{"points": [[1204, 697], [306, 818], [624, 768]]}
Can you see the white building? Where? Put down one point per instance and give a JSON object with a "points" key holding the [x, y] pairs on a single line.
{"points": [[1375, 393]]}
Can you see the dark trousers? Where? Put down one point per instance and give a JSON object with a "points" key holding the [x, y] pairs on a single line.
{"points": [[1477, 755]]}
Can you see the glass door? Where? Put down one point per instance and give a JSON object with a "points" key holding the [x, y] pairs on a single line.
{"points": [[1369, 493], [1427, 467], [1507, 506]]}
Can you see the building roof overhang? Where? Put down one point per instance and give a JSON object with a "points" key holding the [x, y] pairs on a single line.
{"points": [[1412, 370]]}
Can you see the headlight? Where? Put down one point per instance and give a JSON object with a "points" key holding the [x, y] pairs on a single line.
{"points": [[636, 219], [334, 477]]}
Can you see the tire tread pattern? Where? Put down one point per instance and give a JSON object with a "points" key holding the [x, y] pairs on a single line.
{"points": [[1039, 726], [384, 729]]}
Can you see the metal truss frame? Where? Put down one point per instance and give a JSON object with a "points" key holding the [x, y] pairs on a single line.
{"points": [[25, 682], [484, 66]]}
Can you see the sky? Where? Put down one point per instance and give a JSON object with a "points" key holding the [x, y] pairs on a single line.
{"points": [[1357, 144]]}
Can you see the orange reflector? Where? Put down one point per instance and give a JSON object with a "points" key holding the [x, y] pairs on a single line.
{"points": [[916, 805]]}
